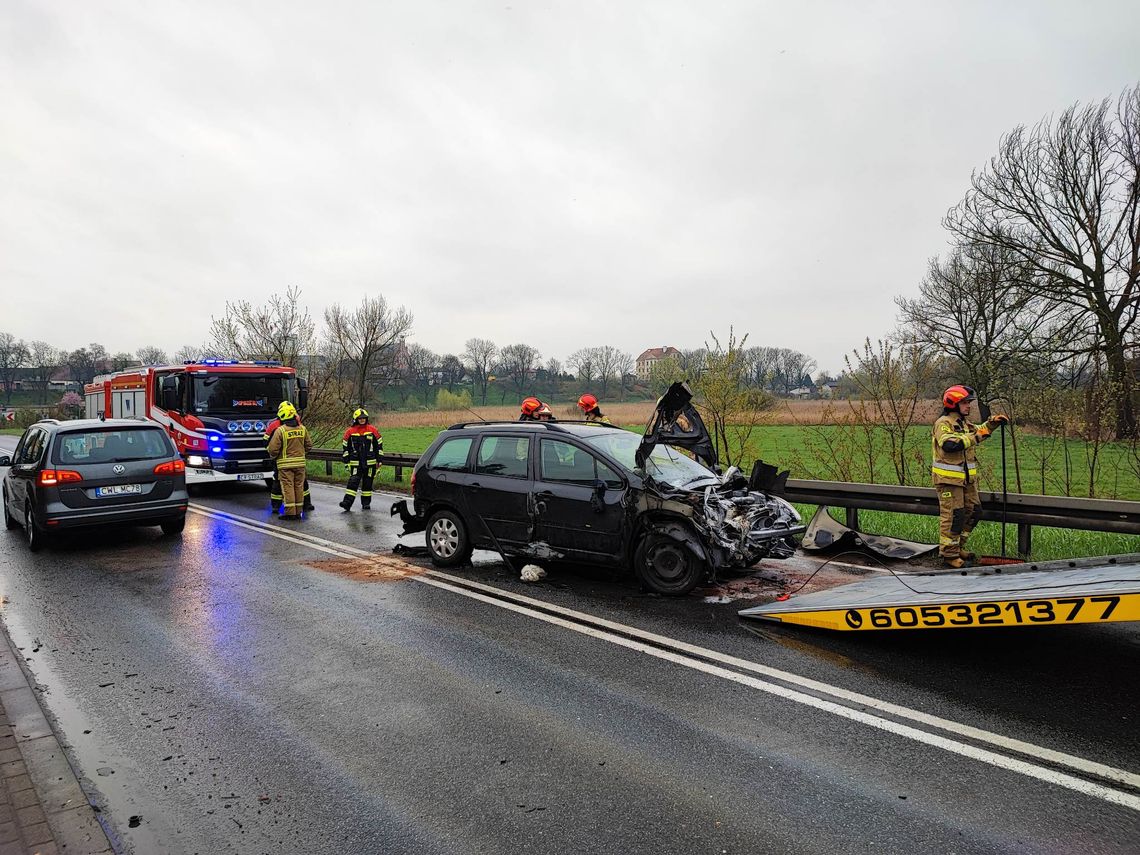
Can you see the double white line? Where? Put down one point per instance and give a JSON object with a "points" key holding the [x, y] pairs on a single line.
{"points": [[1107, 783]]}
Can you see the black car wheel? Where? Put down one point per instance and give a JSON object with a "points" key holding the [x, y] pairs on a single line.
{"points": [[173, 526], [447, 540], [34, 534], [666, 566], [9, 520]]}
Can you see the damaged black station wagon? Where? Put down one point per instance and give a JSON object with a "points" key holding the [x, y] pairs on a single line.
{"points": [[588, 493]]}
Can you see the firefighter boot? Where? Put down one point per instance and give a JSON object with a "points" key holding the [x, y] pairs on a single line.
{"points": [[953, 563], [965, 554], [347, 501]]}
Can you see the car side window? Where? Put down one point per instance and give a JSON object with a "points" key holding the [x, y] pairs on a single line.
{"points": [[608, 476], [32, 448], [504, 455], [562, 461], [452, 455]]}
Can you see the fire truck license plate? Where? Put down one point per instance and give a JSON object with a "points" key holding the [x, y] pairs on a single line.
{"points": [[118, 490], [250, 476]]}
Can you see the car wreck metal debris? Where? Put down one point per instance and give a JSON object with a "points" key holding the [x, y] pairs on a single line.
{"points": [[588, 493]]}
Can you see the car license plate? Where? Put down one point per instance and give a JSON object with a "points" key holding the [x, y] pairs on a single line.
{"points": [[251, 476], [118, 490]]}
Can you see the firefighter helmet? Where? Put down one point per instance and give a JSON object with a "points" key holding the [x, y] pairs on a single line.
{"points": [[359, 413], [286, 411], [530, 406], [956, 395], [587, 402]]}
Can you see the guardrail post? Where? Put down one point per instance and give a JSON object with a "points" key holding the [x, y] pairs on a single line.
{"points": [[1024, 538], [852, 518], [399, 473], [328, 468]]}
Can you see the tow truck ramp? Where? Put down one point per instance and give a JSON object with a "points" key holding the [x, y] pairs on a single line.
{"points": [[1104, 593]]}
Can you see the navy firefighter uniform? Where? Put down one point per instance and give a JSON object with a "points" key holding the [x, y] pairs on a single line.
{"points": [[360, 450]]}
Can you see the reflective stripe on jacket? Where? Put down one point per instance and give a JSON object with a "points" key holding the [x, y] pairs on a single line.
{"points": [[361, 446], [960, 466], [288, 445]]}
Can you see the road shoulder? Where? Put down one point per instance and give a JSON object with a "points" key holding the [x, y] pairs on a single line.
{"points": [[43, 808]]}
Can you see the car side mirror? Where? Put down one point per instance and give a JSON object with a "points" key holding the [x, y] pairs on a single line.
{"points": [[5, 460], [170, 394], [302, 394]]}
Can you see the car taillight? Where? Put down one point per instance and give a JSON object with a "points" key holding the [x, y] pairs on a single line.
{"points": [[51, 477], [171, 467]]}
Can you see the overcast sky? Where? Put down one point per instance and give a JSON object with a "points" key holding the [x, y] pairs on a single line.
{"points": [[563, 174]]}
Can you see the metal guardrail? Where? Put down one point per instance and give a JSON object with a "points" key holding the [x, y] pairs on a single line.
{"points": [[399, 462], [1025, 510]]}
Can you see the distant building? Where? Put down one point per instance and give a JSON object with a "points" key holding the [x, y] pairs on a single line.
{"points": [[649, 358]]}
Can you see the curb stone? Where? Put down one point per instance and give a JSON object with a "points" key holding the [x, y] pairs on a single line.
{"points": [[53, 813]]}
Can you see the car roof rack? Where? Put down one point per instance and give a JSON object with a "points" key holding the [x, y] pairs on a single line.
{"points": [[48, 421]]}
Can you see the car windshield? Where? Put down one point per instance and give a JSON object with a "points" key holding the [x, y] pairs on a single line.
{"points": [[111, 446], [228, 394], [665, 464]]}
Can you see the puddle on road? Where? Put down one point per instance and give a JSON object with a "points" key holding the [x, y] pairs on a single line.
{"points": [[378, 568]]}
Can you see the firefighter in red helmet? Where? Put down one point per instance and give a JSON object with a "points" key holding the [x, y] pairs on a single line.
{"points": [[360, 451], [533, 410], [955, 472], [591, 412]]}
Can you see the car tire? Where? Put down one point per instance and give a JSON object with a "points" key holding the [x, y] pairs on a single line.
{"points": [[666, 566], [174, 526], [9, 520], [33, 533], [447, 540]]}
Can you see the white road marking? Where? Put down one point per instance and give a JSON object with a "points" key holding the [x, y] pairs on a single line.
{"points": [[651, 644]]}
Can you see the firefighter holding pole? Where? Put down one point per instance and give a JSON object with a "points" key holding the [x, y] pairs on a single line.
{"points": [[955, 472]]}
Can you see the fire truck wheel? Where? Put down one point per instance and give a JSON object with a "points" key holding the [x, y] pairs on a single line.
{"points": [[174, 526]]}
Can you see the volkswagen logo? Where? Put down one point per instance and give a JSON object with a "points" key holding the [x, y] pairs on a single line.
{"points": [[118, 468]]}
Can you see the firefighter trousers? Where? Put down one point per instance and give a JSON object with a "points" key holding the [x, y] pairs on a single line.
{"points": [[360, 477], [959, 509], [292, 491], [276, 498]]}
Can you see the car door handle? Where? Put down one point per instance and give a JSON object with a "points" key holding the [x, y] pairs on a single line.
{"points": [[545, 494], [474, 486]]}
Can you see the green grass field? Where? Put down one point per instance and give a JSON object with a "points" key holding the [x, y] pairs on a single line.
{"points": [[794, 448]]}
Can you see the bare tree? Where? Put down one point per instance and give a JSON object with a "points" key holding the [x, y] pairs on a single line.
{"points": [[761, 366], [728, 405], [1064, 197], [363, 337], [518, 362], [692, 362], [980, 307], [86, 362], [279, 329], [451, 371], [44, 360], [122, 360], [584, 363], [189, 353], [419, 367], [792, 368], [13, 357], [150, 355], [479, 355], [609, 362], [625, 368]]}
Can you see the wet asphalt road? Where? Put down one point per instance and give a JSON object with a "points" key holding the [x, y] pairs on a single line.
{"points": [[238, 693]]}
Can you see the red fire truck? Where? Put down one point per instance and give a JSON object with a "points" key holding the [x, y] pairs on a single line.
{"points": [[214, 410]]}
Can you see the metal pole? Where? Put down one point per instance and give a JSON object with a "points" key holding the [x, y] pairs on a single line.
{"points": [[1004, 490]]}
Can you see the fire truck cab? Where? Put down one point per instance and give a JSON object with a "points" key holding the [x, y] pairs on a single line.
{"points": [[216, 411]]}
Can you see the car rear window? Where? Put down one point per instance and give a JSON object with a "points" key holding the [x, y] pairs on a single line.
{"points": [[452, 454], [111, 446]]}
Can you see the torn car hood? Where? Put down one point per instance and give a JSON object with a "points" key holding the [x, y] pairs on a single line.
{"points": [[676, 422]]}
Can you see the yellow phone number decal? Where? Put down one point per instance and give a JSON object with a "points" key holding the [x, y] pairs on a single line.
{"points": [[1038, 612]]}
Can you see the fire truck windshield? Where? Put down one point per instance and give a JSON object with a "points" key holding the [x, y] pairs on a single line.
{"points": [[226, 394]]}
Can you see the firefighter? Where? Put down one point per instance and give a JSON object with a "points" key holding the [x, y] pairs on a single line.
{"points": [[275, 500], [361, 451], [529, 408], [591, 412], [288, 446], [955, 472]]}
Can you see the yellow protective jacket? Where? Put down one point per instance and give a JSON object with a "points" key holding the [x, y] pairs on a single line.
{"points": [[959, 463], [597, 418], [288, 445]]}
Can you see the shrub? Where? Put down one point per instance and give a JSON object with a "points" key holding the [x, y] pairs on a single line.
{"points": [[445, 400]]}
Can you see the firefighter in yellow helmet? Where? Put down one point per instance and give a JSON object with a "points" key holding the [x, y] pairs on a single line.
{"points": [[288, 446], [360, 450], [955, 472], [275, 498]]}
